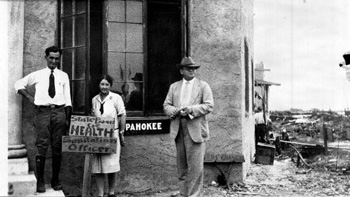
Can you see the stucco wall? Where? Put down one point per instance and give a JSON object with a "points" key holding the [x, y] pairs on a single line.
{"points": [[148, 163], [219, 29], [216, 44]]}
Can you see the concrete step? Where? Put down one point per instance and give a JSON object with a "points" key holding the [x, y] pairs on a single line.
{"points": [[18, 166], [49, 192], [22, 184], [25, 185]]}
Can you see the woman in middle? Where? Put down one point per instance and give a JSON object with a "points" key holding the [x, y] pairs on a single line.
{"points": [[108, 105]]}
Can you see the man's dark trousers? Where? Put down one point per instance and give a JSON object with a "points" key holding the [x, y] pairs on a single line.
{"points": [[50, 124]]}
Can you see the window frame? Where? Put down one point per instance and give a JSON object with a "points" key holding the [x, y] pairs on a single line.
{"points": [[89, 82], [90, 74], [185, 48], [73, 15]]}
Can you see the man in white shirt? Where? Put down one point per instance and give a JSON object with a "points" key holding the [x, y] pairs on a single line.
{"points": [[261, 120], [53, 107]]}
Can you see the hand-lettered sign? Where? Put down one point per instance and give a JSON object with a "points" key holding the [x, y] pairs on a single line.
{"points": [[89, 134], [85, 144]]}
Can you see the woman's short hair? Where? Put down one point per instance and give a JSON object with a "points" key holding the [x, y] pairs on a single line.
{"points": [[106, 77]]}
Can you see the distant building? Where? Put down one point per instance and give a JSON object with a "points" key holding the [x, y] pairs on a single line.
{"points": [[262, 87]]}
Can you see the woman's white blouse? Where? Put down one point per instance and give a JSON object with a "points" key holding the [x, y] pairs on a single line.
{"points": [[113, 106]]}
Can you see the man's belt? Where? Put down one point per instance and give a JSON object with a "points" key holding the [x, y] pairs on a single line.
{"points": [[49, 106]]}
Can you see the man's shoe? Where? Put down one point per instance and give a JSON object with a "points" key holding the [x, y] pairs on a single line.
{"points": [[40, 186], [111, 195], [56, 185]]}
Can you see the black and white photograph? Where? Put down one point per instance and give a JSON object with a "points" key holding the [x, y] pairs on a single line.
{"points": [[175, 98]]}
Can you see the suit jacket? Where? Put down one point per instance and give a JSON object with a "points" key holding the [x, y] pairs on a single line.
{"points": [[201, 104]]}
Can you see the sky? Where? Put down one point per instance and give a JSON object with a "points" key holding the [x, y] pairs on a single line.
{"points": [[302, 42]]}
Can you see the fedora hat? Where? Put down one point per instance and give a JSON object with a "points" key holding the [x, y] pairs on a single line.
{"points": [[187, 62]]}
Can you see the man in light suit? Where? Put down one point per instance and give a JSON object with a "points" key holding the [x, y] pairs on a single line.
{"points": [[187, 103]]}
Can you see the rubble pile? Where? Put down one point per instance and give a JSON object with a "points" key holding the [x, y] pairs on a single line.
{"points": [[307, 126], [310, 130]]}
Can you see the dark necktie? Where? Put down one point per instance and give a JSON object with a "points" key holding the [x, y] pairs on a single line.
{"points": [[52, 91]]}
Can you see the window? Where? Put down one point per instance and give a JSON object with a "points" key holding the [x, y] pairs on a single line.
{"points": [[144, 43], [137, 42], [79, 21], [125, 51]]}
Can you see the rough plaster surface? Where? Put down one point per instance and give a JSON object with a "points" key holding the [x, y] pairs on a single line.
{"points": [[149, 163], [216, 39], [15, 63], [219, 29]]}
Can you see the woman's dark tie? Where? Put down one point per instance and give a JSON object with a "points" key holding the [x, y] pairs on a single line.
{"points": [[101, 108]]}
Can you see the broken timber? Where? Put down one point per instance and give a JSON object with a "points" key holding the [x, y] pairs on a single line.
{"points": [[300, 157], [298, 143], [307, 144]]}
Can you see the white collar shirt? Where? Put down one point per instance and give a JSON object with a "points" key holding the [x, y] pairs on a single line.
{"points": [[259, 118], [40, 79], [113, 106], [184, 100]]}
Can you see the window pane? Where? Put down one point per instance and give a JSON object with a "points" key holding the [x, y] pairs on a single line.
{"points": [[116, 67], [78, 94], [80, 63], [116, 11], [116, 37], [136, 96], [67, 32], [67, 8], [134, 38], [124, 89], [67, 61], [134, 66], [80, 6], [80, 30], [134, 12]]}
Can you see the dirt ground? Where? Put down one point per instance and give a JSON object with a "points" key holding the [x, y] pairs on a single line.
{"points": [[326, 176]]}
